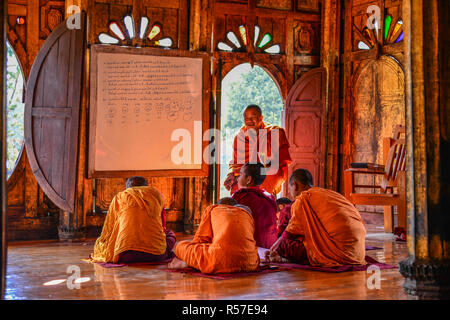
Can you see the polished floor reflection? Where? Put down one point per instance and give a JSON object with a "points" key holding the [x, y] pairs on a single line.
{"points": [[54, 270]]}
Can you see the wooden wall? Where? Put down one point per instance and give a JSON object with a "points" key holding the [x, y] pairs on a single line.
{"points": [[372, 86], [295, 25]]}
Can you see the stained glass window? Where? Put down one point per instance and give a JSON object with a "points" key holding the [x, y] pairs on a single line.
{"points": [[392, 33], [124, 35], [234, 44]]}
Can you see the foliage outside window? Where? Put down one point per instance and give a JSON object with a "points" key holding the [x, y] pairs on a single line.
{"points": [[14, 109]]}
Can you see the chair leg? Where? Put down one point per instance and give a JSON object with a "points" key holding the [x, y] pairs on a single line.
{"points": [[388, 218], [401, 208]]}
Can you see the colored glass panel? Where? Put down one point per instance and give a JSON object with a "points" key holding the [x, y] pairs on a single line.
{"points": [[387, 26], [156, 29], [243, 31], [265, 40], [114, 27], [129, 25], [232, 37]]}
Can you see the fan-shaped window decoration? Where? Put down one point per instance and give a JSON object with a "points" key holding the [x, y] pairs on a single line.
{"points": [[124, 34], [239, 44], [392, 33], [14, 109]]}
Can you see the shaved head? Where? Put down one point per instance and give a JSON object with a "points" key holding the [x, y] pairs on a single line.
{"points": [[253, 118], [253, 107], [228, 201], [136, 181], [302, 176]]}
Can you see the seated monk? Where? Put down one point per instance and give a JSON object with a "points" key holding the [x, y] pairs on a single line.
{"points": [[135, 227], [284, 214], [262, 203], [325, 229], [223, 243]]}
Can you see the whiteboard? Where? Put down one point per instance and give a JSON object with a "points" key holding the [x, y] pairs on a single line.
{"points": [[140, 99]]}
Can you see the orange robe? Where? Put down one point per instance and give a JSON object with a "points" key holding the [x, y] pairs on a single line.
{"points": [[333, 230], [133, 223], [223, 242], [273, 182]]}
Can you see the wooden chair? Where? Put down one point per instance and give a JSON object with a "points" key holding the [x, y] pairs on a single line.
{"points": [[393, 172]]}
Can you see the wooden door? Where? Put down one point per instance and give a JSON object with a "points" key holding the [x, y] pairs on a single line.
{"points": [[52, 107], [305, 124]]}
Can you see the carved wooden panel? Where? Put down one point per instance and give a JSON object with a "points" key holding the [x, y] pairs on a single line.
{"points": [[305, 124], [275, 4], [17, 33], [308, 5], [51, 15], [306, 38]]}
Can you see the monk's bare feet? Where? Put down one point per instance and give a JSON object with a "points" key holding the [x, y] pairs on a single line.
{"points": [[275, 257], [266, 257], [177, 264]]}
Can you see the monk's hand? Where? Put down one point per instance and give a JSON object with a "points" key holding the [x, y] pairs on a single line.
{"points": [[275, 246], [266, 256]]}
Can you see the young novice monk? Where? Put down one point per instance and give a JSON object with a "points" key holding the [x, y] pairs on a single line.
{"points": [[223, 243], [262, 203], [284, 214], [134, 228], [325, 228]]}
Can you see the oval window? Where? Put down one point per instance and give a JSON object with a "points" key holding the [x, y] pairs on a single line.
{"points": [[14, 109]]}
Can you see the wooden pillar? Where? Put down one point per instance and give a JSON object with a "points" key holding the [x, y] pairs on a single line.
{"points": [[3, 198], [427, 48], [330, 61]]}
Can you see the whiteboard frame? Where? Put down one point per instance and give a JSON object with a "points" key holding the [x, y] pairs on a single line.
{"points": [[92, 121]]}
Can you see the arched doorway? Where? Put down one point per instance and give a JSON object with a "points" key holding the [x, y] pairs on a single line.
{"points": [[14, 109], [242, 86]]}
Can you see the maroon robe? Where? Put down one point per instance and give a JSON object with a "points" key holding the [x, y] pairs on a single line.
{"points": [[264, 211], [283, 220]]}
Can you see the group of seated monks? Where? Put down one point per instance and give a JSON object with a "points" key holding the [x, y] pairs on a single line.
{"points": [[320, 228]]}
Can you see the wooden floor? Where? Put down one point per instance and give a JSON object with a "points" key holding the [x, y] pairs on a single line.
{"points": [[32, 267]]}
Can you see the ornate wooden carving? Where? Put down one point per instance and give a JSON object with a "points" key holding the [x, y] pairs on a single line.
{"points": [[275, 4], [52, 14], [306, 38], [308, 5]]}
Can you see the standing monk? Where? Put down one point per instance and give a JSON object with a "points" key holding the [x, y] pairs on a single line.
{"points": [[135, 227], [325, 229], [248, 146]]}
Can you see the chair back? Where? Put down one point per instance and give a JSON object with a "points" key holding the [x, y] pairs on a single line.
{"points": [[396, 159]]}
